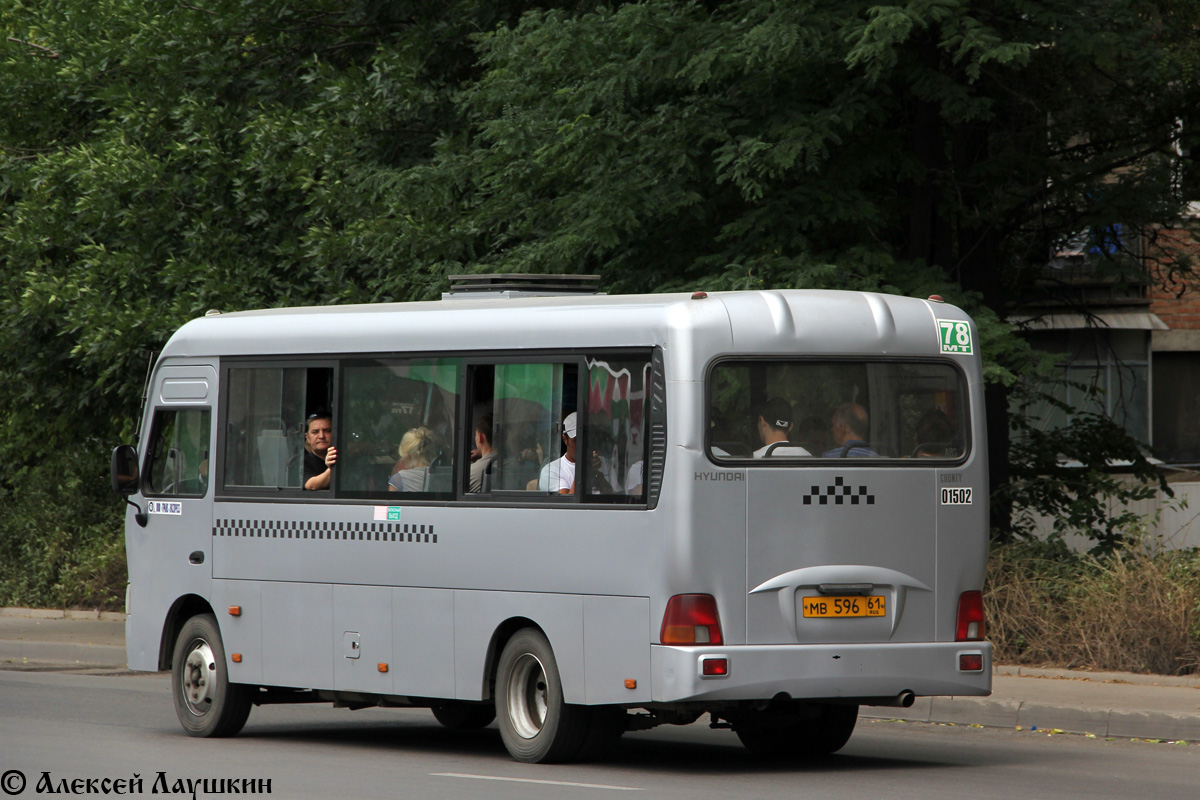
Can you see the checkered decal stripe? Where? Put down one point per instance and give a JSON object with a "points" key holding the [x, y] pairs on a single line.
{"points": [[332, 531], [839, 494]]}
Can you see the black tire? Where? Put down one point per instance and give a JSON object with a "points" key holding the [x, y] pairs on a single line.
{"points": [[461, 716], [835, 728], [798, 730], [535, 724], [206, 703], [606, 724]]}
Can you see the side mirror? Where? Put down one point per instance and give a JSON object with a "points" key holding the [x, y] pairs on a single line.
{"points": [[125, 478], [124, 470]]}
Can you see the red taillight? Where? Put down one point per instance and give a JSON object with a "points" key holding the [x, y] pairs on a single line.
{"points": [[970, 624], [691, 619]]}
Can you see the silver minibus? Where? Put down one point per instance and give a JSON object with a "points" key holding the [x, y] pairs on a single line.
{"points": [[571, 513]]}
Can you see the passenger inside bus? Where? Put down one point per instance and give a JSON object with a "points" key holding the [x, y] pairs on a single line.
{"points": [[774, 424], [417, 451], [527, 463], [849, 431], [934, 435], [482, 465], [813, 434], [319, 453], [603, 476], [558, 477], [634, 478]]}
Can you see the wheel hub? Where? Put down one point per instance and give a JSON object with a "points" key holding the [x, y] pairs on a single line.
{"points": [[527, 696], [199, 673]]}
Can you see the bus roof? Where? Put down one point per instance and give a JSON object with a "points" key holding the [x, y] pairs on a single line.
{"points": [[774, 322]]}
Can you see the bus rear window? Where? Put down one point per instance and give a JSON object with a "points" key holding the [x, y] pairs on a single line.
{"points": [[798, 410]]}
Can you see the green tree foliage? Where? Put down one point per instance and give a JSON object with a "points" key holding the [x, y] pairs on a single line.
{"points": [[158, 159], [939, 145], [165, 158]]}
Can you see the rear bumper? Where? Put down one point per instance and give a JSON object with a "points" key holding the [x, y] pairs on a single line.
{"points": [[760, 672]]}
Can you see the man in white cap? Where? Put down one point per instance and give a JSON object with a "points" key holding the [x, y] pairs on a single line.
{"points": [[565, 466], [558, 477]]}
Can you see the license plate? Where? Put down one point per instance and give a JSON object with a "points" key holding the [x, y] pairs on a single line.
{"points": [[856, 606]]}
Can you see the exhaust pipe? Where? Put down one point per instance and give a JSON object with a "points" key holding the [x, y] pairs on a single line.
{"points": [[903, 700]]}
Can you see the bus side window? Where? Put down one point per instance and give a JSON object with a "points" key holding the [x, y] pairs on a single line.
{"points": [[265, 414], [617, 402], [178, 460], [397, 427], [525, 405]]}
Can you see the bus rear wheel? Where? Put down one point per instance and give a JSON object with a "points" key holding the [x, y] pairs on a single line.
{"points": [[206, 703], [535, 724], [798, 730]]}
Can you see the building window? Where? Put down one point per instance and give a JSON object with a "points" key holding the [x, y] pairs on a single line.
{"points": [[1104, 371], [1176, 424]]}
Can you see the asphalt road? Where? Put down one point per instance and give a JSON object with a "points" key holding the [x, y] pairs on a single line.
{"points": [[75, 726]]}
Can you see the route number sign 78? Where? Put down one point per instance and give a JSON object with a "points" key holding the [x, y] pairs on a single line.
{"points": [[955, 336]]}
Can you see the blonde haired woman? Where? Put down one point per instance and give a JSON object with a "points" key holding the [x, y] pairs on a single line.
{"points": [[417, 451]]}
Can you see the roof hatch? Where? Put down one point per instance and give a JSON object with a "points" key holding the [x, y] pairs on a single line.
{"points": [[520, 284]]}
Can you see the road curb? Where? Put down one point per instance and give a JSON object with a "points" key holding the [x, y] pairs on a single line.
{"points": [[1189, 681], [64, 613], [989, 713]]}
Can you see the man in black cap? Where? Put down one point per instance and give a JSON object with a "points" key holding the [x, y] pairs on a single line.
{"points": [[774, 424]]}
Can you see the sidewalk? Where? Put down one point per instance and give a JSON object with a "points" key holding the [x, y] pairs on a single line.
{"points": [[1107, 704], [43, 639]]}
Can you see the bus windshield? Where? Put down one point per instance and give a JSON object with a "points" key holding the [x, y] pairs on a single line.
{"points": [[795, 411]]}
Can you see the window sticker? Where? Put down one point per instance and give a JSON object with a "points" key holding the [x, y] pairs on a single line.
{"points": [[172, 507], [387, 513], [955, 336]]}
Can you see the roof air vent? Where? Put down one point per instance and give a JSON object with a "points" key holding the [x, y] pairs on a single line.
{"points": [[510, 284]]}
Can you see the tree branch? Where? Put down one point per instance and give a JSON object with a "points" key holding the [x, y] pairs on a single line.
{"points": [[46, 51]]}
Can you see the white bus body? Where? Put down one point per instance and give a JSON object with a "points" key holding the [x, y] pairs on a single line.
{"points": [[683, 576]]}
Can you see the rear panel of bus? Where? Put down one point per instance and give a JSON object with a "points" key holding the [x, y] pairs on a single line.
{"points": [[860, 553]]}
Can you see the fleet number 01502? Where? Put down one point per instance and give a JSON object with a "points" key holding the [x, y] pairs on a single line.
{"points": [[956, 497]]}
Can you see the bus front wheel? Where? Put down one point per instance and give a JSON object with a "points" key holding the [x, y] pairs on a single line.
{"points": [[535, 724], [206, 703]]}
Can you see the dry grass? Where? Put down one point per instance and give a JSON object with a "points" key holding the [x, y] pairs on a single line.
{"points": [[1134, 611]]}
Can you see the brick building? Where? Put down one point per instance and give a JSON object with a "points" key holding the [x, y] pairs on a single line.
{"points": [[1175, 371], [1135, 335], [1132, 335]]}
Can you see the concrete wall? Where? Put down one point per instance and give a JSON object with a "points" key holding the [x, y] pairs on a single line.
{"points": [[1178, 523]]}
